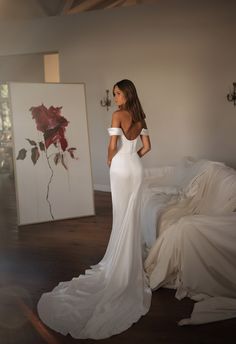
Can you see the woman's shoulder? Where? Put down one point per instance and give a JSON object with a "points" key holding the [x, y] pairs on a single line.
{"points": [[116, 113], [119, 113], [144, 124], [144, 130], [120, 116], [116, 119]]}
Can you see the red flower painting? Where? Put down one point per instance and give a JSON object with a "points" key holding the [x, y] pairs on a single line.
{"points": [[52, 125]]}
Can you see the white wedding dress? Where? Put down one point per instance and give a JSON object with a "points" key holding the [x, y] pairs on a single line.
{"points": [[115, 293]]}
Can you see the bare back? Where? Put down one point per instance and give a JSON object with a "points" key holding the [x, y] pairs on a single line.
{"points": [[131, 131]]}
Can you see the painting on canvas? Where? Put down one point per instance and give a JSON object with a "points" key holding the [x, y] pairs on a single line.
{"points": [[51, 152]]}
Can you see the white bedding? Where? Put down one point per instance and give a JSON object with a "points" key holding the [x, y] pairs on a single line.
{"points": [[195, 246]]}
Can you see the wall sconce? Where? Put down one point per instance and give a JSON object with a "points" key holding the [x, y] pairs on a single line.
{"points": [[106, 101], [231, 96]]}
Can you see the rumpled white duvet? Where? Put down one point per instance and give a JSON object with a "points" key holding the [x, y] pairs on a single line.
{"points": [[194, 250]]}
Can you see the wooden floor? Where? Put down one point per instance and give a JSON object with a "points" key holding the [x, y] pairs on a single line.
{"points": [[35, 258]]}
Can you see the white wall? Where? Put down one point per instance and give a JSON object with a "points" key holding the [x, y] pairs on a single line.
{"points": [[181, 56], [26, 67]]}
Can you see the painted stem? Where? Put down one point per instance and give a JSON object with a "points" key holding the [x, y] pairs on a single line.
{"points": [[48, 186]]}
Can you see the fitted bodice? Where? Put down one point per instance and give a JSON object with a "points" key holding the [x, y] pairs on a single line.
{"points": [[125, 145]]}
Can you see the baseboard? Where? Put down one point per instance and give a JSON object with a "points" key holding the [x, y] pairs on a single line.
{"points": [[100, 187]]}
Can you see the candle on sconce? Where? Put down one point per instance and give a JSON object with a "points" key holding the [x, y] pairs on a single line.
{"points": [[106, 101], [231, 96]]}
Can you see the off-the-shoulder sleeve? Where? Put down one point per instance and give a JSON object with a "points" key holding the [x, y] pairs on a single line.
{"points": [[114, 131], [144, 132]]}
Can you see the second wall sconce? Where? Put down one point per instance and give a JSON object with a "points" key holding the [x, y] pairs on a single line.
{"points": [[106, 101], [231, 96]]}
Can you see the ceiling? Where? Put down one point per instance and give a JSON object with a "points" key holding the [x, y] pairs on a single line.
{"points": [[29, 9]]}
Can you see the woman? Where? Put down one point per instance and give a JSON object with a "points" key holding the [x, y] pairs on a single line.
{"points": [[113, 294]]}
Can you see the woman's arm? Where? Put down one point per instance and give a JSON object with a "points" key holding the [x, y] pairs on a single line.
{"points": [[112, 146], [146, 145]]}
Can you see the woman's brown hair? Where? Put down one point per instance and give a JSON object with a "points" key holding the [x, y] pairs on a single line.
{"points": [[132, 104]]}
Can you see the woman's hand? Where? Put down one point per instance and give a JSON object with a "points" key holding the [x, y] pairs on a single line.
{"points": [[146, 145]]}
